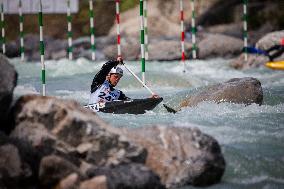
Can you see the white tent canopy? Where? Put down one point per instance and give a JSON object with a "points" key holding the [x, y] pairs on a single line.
{"points": [[32, 6]]}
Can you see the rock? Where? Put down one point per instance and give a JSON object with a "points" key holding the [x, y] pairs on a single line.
{"points": [[167, 50], [234, 29], [41, 139], [8, 81], [18, 163], [66, 125], [163, 18], [180, 156], [217, 45], [130, 49], [238, 90], [12, 169], [53, 169], [69, 182], [99, 182], [12, 50], [55, 47], [255, 60], [134, 175], [270, 40]]}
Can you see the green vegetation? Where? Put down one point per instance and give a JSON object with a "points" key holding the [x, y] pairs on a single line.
{"points": [[128, 4]]}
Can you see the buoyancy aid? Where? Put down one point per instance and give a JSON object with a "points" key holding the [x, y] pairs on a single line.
{"points": [[105, 93]]}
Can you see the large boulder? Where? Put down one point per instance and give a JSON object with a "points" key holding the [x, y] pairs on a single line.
{"points": [[68, 126], [128, 176], [270, 39], [238, 90], [8, 81], [169, 49], [18, 163], [53, 169], [73, 142], [181, 156], [217, 45]]}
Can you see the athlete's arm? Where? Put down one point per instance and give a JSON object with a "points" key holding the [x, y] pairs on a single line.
{"points": [[100, 77]]}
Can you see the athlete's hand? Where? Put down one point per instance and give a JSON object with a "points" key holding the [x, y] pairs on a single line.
{"points": [[120, 60], [155, 96]]}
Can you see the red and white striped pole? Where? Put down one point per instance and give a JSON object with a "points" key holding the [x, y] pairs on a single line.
{"points": [[118, 28], [182, 34]]}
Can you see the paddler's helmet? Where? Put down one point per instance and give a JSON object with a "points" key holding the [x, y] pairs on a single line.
{"points": [[116, 70]]}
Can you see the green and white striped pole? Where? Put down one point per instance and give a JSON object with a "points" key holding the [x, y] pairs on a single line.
{"points": [[142, 41], [146, 30], [3, 40], [21, 18], [193, 30], [92, 29], [41, 46], [69, 34], [245, 18]]}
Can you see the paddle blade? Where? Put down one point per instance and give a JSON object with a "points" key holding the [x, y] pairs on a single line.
{"points": [[169, 109]]}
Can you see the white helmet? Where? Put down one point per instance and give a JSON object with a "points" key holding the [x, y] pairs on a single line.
{"points": [[116, 70]]}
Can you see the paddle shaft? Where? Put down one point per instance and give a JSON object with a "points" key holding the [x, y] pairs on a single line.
{"points": [[139, 80], [169, 109]]}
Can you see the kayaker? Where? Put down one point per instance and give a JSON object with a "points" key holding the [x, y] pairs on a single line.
{"points": [[276, 50], [102, 88]]}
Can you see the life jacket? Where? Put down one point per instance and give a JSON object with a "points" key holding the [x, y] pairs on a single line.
{"points": [[105, 93]]}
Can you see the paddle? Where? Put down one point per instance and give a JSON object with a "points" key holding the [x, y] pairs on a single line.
{"points": [[138, 79], [254, 50], [171, 110]]}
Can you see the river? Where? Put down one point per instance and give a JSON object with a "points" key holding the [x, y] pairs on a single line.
{"points": [[251, 137]]}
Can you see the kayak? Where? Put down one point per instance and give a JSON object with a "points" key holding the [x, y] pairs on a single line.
{"points": [[278, 65], [133, 106]]}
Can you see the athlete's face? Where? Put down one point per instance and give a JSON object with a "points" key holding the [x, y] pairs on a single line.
{"points": [[114, 79]]}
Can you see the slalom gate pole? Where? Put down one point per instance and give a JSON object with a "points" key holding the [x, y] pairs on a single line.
{"points": [[182, 34], [193, 30], [146, 29], [245, 32], [92, 29], [40, 19], [3, 40], [142, 41], [69, 34], [138, 79], [21, 18], [118, 27]]}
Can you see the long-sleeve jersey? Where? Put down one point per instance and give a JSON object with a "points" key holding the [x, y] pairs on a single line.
{"points": [[101, 89]]}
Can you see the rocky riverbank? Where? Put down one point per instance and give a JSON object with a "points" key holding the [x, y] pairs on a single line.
{"points": [[52, 143]]}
